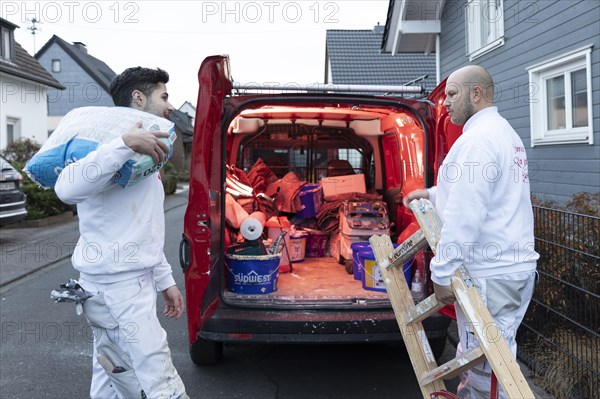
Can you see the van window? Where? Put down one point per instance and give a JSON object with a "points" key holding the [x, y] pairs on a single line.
{"points": [[311, 152]]}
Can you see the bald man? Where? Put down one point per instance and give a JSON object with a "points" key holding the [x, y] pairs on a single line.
{"points": [[483, 198]]}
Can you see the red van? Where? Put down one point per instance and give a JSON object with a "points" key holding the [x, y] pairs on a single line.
{"points": [[392, 144]]}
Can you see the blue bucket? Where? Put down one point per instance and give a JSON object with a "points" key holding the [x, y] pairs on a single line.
{"points": [[310, 197], [356, 247], [371, 277], [248, 274]]}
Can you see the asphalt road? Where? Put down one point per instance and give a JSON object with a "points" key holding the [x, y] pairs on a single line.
{"points": [[46, 351]]}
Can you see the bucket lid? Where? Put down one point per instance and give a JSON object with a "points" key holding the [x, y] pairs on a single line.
{"points": [[368, 254], [360, 244], [310, 187], [253, 257]]}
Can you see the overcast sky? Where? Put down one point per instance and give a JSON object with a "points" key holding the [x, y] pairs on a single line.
{"points": [[267, 41]]}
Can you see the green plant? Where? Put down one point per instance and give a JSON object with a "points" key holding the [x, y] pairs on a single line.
{"points": [[585, 203], [566, 301], [41, 203], [169, 176], [20, 151]]}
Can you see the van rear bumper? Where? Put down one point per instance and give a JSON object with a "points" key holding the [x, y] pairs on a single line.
{"points": [[323, 326]]}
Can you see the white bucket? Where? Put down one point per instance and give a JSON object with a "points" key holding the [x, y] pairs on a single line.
{"points": [[297, 248]]}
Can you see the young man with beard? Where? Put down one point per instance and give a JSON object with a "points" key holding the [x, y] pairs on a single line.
{"points": [[125, 230]]}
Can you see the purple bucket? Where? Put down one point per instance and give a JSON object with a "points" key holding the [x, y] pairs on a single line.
{"points": [[371, 276], [316, 244], [310, 197], [357, 247]]}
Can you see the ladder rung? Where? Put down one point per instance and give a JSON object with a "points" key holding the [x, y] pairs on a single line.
{"points": [[423, 310], [408, 249], [455, 366]]}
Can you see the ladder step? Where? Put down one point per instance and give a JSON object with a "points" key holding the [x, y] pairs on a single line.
{"points": [[422, 310], [454, 367], [408, 249]]}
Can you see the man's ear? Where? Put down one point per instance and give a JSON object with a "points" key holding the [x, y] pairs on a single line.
{"points": [[137, 98], [477, 94]]}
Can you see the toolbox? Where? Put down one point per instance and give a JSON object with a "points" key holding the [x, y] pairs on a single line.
{"points": [[355, 217], [359, 220]]}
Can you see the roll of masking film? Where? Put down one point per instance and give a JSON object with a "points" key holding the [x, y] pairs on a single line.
{"points": [[252, 227]]}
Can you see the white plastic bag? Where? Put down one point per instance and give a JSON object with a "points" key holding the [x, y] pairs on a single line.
{"points": [[82, 130]]}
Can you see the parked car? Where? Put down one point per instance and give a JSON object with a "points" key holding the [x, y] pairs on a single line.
{"points": [[390, 144], [12, 198]]}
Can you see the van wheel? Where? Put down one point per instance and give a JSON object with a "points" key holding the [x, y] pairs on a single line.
{"points": [[205, 352], [438, 345]]}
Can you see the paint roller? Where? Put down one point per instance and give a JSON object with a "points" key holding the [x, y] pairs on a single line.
{"points": [[252, 227]]}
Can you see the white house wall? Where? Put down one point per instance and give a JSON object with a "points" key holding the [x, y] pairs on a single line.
{"points": [[26, 102]]}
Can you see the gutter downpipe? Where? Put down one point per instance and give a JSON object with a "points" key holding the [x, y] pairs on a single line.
{"points": [[437, 59]]}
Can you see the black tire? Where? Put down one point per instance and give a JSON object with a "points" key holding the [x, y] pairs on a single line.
{"points": [[438, 345], [205, 352]]}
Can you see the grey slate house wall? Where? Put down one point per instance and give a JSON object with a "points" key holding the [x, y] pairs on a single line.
{"points": [[85, 78], [354, 57], [535, 32]]}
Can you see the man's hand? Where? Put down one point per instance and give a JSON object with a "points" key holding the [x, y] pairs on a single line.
{"points": [[173, 302], [444, 294], [146, 142], [416, 194]]}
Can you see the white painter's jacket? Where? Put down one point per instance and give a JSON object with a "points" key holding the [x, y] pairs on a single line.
{"points": [[122, 229], [483, 199]]}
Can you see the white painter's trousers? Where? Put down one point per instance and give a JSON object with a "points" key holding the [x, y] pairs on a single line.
{"points": [[127, 331], [507, 298]]}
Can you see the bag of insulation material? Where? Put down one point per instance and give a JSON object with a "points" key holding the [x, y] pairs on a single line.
{"points": [[82, 130]]}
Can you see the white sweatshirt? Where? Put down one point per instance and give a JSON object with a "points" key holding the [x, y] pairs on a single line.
{"points": [[122, 229], [483, 199]]}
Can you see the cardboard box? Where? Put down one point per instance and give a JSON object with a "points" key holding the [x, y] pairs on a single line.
{"points": [[343, 184]]}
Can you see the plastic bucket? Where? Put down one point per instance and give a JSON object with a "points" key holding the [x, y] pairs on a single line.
{"points": [[310, 197], [275, 226], [316, 244], [356, 266], [252, 274], [297, 248], [371, 277]]}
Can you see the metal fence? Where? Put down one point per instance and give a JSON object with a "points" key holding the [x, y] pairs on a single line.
{"points": [[560, 335]]}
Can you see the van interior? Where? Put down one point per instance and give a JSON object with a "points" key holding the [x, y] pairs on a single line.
{"points": [[318, 146]]}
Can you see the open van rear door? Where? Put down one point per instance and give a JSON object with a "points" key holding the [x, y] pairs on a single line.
{"points": [[202, 225], [446, 132]]}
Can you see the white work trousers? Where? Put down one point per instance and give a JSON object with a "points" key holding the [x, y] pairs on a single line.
{"points": [[127, 330], [507, 298]]}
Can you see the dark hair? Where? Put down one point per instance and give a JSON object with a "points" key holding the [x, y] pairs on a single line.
{"points": [[136, 78]]}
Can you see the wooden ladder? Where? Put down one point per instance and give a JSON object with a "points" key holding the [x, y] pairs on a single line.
{"points": [[493, 347]]}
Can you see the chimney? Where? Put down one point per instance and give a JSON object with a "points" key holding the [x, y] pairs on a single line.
{"points": [[80, 46]]}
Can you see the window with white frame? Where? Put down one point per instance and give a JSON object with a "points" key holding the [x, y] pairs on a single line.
{"points": [[485, 26], [13, 130], [55, 65], [561, 99], [6, 47]]}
